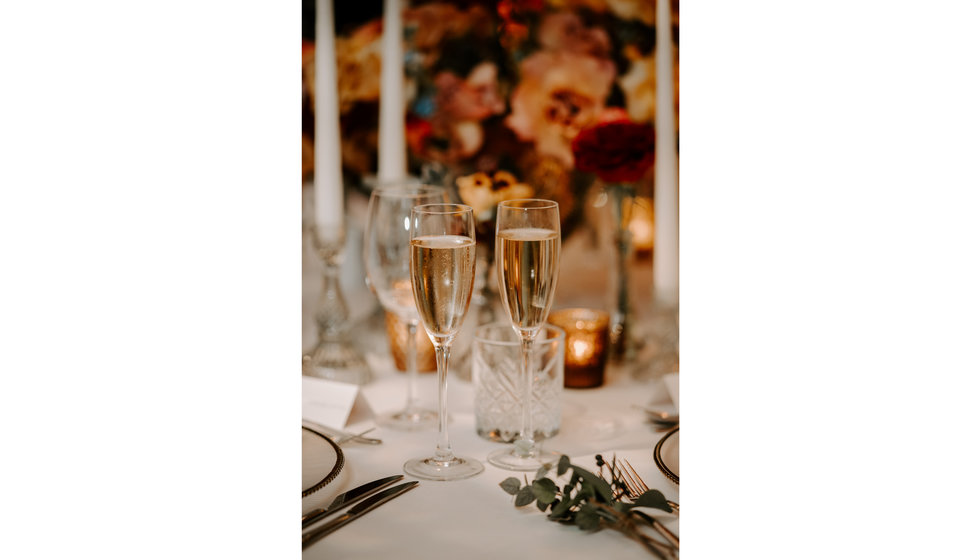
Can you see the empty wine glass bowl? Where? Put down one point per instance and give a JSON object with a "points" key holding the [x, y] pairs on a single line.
{"points": [[387, 262]]}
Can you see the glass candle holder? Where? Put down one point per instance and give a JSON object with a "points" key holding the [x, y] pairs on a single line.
{"points": [[398, 343], [586, 345]]}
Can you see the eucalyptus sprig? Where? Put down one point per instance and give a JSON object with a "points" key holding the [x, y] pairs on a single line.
{"points": [[592, 503]]}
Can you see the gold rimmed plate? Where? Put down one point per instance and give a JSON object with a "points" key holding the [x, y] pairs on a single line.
{"points": [[322, 461], [667, 455]]}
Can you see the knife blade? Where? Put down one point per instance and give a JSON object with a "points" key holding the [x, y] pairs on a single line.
{"points": [[353, 513], [349, 497]]}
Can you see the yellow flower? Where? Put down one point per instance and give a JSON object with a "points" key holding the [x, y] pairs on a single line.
{"points": [[642, 10], [358, 67], [483, 192]]}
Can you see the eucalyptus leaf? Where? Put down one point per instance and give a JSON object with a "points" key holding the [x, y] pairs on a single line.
{"points": [[653, 499], [511, 485], [542, 506], [587, 519], [524, 496], [563, 464], [544, 490], [600, 485], [561, 509]]}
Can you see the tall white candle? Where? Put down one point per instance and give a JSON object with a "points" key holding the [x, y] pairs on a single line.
{"points": [[666, 278], [392, 165], [328, 178]]}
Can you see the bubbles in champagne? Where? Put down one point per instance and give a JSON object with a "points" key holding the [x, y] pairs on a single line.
{"points": [[527, 271], [442, 277]]}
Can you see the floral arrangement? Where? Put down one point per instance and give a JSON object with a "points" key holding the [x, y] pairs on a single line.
{"points": [[502, 86]]}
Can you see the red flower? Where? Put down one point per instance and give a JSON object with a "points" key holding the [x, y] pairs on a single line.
{"points": [[417, 133], [618, 151]]}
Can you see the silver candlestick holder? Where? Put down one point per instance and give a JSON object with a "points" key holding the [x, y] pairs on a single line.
{"points": [[334, 356], [659, 354], [622, 339]]}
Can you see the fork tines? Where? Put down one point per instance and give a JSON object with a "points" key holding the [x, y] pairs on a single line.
{"points": [[634, 483]]}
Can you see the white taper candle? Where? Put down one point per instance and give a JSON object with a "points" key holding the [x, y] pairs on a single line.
{"points": [[392, 164], [666, 278], [328, 186]]}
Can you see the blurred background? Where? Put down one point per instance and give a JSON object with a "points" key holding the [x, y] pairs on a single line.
{"points": [[495, 92]]}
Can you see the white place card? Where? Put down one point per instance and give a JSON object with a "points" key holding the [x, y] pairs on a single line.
{"points": [[332, 403]]}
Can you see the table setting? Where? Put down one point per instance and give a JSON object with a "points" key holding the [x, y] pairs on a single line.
{"points": [[490, 361]]}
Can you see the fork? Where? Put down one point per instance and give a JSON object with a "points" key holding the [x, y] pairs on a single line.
{"points": [[339, 436], [635, 487]]}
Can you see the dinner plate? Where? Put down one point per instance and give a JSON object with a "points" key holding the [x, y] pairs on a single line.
{"points": [[667, 455], [322, 461]]}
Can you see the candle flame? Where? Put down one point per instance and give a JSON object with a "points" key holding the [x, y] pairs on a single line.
{"points": [[580, 348]]}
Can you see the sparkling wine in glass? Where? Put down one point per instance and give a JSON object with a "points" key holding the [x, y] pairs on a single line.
{"points": [[443, 262], [387, 261], [528, 244]]}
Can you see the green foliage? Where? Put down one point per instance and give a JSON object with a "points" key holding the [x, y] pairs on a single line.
{"points": [[511, 485], [653, 499], [587, 500], [563, 464], [544, 490], [524, 496]]}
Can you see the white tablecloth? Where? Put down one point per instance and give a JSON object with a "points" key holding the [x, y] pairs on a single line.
{"points": [[475, 518]]}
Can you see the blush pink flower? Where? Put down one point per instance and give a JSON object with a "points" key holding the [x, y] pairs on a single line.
{"points": [[463, 104], [473, 99], [564, 31], [560, 93]]}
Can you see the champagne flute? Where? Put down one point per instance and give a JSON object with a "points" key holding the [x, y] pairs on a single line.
{"points": [[386, 258], [528, 243], [443, 267]]}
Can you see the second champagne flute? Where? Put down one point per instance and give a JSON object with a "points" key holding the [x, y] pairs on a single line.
{"points": [[528, 243], [386, 258], [443, 266]]}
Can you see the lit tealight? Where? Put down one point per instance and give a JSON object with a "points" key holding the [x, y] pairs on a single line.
{"points": [[586, 342]]}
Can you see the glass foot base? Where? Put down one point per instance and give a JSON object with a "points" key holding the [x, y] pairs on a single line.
{"points": [[433, 469], [337, 362], [410, 420], [509, 459]]}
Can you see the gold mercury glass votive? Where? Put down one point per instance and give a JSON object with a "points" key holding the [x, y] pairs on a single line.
{"points": [[397, 332], [586, 345]]}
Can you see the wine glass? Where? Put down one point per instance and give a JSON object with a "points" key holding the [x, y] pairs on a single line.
{"points": [[386, 258], [443, 267], [528, 243]]}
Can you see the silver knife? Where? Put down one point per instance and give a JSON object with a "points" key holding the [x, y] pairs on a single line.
{"points": [[353, 513], [349, 497]]}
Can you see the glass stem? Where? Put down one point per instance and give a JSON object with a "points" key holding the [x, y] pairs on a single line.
{"points": [[525, 446], [444, 452], [331, 316], [411, 369]]}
